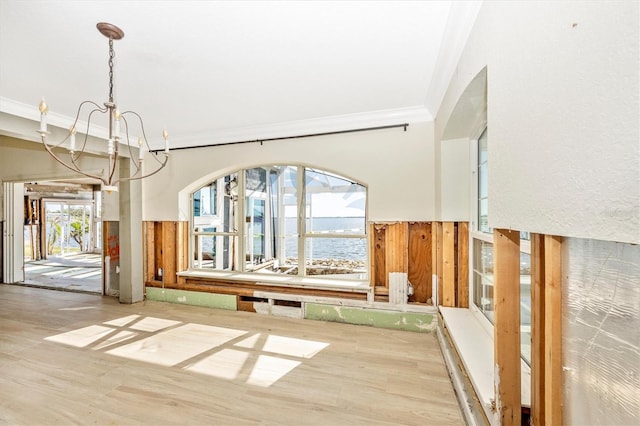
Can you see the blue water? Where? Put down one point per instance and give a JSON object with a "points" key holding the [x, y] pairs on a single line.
{"points": [[321, 248], [330, 248]]}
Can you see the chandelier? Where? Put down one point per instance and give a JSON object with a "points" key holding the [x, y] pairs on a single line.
{"points": [[117, 120]]}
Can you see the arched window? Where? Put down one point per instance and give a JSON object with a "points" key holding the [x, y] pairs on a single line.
{"points": [[265, 219]]}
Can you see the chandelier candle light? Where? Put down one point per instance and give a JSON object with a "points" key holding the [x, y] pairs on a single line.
{"points": [[114, 139]]}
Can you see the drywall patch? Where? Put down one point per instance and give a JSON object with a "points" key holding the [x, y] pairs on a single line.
{"points": [[409, 321], [195, 298]]}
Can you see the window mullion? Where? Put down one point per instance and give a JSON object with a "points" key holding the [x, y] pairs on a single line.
{"points": [[192, 228], [302, 224], [241, 215]]}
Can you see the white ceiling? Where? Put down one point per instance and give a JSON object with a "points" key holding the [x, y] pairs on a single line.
{"points": [[214, 72]]}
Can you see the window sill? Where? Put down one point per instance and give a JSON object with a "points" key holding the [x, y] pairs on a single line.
{"points": [[355, 286], [474, 345]]}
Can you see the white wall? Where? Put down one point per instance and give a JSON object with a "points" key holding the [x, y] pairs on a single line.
{"points": [[563, 88], [455, 177], [23, 161], [397, 167]]}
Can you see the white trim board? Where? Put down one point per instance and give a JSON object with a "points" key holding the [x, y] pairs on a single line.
{"points": [[475, 348]]}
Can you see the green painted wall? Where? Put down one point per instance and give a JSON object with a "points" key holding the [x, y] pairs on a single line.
{"points": [[409, 321], [196, 298]]}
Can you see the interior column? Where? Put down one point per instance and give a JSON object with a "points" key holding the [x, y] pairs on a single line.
{"points": [[131, 262]]}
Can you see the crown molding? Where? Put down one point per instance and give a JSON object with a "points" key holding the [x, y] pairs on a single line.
{"points": [[415, 114], [31, 112], [460, 22], [388, 117]]}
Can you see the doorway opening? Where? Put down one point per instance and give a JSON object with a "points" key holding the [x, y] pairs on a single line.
{"points": [[63, 236]]}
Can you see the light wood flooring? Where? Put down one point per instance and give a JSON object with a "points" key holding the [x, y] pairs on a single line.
{"points": [[70, 358], [80, 272]]}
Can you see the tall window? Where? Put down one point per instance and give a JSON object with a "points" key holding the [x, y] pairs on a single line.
{"points": [[482, 248], [483, 236], [289, 220]]}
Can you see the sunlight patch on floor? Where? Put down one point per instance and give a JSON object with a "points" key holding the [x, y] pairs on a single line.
{"points": [[153, 324], [269, 369], [293, 347], [225, 364], [82, 337], [174, 346], [196, 347]]}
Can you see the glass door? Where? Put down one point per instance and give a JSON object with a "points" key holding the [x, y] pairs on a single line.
{"points": [[69, 227]]}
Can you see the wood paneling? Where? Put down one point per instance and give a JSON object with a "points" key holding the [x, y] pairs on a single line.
{"points": [[422, 250], [166, 248], [553, 395], [463, 265], [169, 252], [448, 264], [506, 293], [247, 288], [396, 247], [149, 244], [420, 260], [436, 238], [378, 256], [157, 250], [182, 246]]}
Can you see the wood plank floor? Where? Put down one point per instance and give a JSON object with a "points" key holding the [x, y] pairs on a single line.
{"points": [[69, 358]]}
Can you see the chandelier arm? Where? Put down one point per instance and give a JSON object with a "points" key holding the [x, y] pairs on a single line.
{"points": [[126, 132], [155, 158], [113, 162], [77, 169], [164, 163], [73, 167], [144, 135], [86, 133]]}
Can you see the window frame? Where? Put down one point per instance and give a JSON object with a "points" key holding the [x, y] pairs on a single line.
{"points": [[193, 234], [242, 233], [476, 235]]}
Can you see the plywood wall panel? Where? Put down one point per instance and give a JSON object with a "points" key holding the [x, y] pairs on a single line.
{"points": [[378, 256], [462, 247], [448, 264], [420, 261], [396, 247]]}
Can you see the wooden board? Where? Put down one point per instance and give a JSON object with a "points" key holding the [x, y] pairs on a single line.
{"points": [[182, 246], [463, 265], [148, 249], [42, 231], [506, 293], [157, 250], [553, 395], [169, 252], [436, 229], [378, 256], [448, 264], [420, 261], [396, 247], [537, 330], [247, 288]]}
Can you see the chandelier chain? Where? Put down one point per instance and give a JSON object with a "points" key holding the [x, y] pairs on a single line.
{"points": [[111, 56]]}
